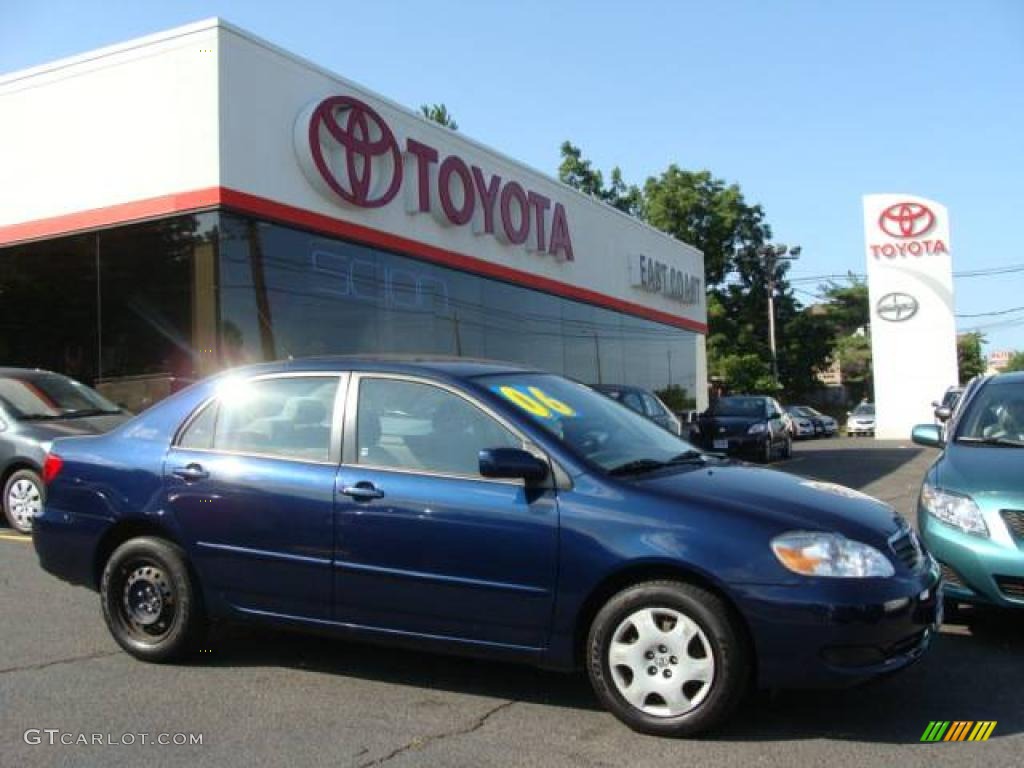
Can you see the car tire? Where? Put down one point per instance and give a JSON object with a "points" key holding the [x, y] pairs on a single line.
{"points": [[151, 603], [689, 637], [24, 494], [767, 453], [787, 449]]}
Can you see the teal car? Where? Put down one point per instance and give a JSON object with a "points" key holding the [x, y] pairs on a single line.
{"points": [[971, 508]]}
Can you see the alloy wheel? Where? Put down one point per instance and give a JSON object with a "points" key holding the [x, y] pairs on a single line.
{"points": [[25, 501]]}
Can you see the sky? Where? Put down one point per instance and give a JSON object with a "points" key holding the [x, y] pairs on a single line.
{"points": [[806, 105]]}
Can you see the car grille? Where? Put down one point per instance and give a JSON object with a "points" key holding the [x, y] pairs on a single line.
{"points": [[1011, 587], [907, 548], [951, 577], [1014, 519]]}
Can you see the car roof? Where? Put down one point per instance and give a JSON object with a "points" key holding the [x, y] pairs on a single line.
{"points": [[26, 373], [455, 367]]}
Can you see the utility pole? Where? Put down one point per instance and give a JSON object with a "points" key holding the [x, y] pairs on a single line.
{"points": [[772, 254]]}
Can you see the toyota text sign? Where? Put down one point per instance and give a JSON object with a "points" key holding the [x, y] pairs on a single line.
{"points": [[352, 155]]}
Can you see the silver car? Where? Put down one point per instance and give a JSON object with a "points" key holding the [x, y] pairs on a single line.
{"points": [[861, 420], [36, 407]]}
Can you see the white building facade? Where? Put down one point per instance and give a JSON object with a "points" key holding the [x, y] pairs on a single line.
{"points": [[200, 198]]}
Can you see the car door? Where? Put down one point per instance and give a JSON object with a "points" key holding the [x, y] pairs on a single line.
{"points": [[426, 545], [250, 481]]}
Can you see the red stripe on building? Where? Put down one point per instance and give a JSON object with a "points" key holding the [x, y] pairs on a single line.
{"points": [[213, 197]]}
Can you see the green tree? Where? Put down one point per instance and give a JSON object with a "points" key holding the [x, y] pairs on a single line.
{"points": [[715, 217], [439, 114], [847, 305], [745, 373], [704, 211], [1015, 363], [970, 360], [578, 173], [854, 354]]}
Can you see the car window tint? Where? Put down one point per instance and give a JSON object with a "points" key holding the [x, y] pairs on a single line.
{"points": [[199, 433], [653, 409], [287, 417], [416, 426], [632, 401]]}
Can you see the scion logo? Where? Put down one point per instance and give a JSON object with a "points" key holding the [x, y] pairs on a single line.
{"points": [[904, 220], [354, 152], [897, 307]]}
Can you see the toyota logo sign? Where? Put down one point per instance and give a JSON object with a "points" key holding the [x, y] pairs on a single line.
{"points": [[349, 152], [905, 220], [897, 307], [355, 152]]}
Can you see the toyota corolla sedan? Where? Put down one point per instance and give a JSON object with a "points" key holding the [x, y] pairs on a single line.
{"points": [[487, 509], [971, 507]]}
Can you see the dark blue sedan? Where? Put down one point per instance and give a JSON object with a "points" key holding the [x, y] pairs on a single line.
{"points": [[482, 508]]}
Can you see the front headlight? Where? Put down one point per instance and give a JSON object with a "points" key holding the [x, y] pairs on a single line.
{"points": [[756, 429], [954, 509], [804, 424], [811, 553]]}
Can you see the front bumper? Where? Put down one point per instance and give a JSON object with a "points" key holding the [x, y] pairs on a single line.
{"points": [[738, 445], [860, 429], [986, 571], [841, 632]]}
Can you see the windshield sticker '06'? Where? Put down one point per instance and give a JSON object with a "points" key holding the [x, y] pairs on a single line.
{"points": [[535, 402]]}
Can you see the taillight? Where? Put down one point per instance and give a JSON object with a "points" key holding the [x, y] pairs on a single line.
{"points": [[51, 467]]}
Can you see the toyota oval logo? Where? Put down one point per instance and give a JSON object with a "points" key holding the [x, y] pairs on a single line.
{"points": [[355, 152], [905, 220], [897, 307]]}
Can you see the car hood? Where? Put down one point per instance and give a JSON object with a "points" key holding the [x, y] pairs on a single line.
{"points": [[788, 501], [86, 425], [982, 470]]}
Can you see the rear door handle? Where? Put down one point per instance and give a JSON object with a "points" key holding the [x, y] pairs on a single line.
{"points": [[191, 472], [362, 491]]}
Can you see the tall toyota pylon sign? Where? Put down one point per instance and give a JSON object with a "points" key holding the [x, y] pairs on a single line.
{"points": [[910, 290]]}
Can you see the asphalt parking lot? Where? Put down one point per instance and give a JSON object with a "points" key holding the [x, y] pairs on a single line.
{"points": [[267, 698]]}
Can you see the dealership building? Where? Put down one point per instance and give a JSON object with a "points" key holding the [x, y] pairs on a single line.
{"points": [[200, 198]]}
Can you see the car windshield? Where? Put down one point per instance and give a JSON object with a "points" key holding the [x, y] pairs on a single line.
{"points": [[995, 415], [799, 410], [50, 396], [864, 409], [595, 427], [748, 407]]}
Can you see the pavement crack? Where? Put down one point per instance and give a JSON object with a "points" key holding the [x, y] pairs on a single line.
{"points": [[425, 741], [55, 662]]}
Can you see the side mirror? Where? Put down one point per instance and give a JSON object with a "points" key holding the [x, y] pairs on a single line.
{"points": [[943, 412], [512, 464], [927, 434], [935, 403]]}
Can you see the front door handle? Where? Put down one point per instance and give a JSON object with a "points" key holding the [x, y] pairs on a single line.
{"points": [[191, 473], [362, 491]]}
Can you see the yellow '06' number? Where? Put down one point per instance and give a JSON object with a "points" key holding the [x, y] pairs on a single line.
{"points": [[537, 402]]}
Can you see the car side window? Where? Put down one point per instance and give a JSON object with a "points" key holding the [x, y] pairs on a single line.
{"points": [[653, 409], [632, 401], [421, 427], [288, 417]]}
